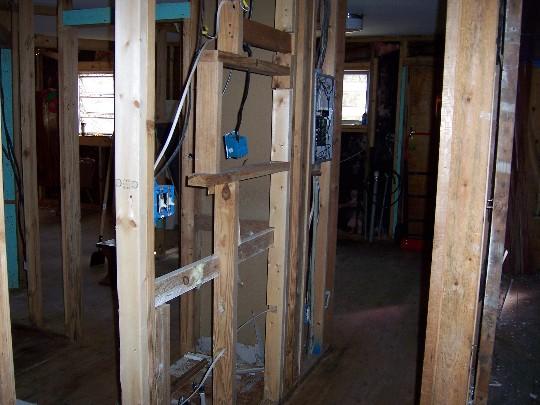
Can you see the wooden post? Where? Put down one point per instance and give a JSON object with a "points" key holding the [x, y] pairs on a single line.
{"points": [[505, 143], [7, 379], [231, 28], [464, 155], [226, 204], [69, 174], [29, 158], [162, 363], [276, 290], [188, 302], [161, 74], [134, 177]]}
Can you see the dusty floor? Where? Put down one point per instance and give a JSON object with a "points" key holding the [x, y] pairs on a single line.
{"points": [[373, 360]]}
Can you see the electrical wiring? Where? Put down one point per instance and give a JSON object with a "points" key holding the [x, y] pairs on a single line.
{"points": [[245, 94], [194, 64], [253, 318], [325, 25], [203, 380]]}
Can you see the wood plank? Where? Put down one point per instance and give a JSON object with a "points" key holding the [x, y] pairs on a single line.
{"points": [[96, 66], [338, 48], [70, 204], [276, 289], [255, 244], [51, 42], [7, 373], [161, 75], [461, 207], [246, 64], [237, 174], [134, 160], [162, 354], [188, 308], [230, 35], [208, 144], [178, 282], [304, 23], [29, 159], [505, 143], [226, 205], [265, 37]]}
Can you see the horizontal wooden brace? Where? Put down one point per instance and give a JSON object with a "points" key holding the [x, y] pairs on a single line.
{"points": [[104, 15], [237, 174], [178, 282], [265, 37], [246, 64]]}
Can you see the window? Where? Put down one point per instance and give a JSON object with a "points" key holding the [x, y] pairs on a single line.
{"points": [[96, 103], [355, 96]]}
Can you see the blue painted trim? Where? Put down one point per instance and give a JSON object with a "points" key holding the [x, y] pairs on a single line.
{"points": [[399, 145], [10, 208], [105, 15]]}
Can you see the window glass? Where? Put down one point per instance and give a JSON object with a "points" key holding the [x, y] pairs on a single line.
{"points": [[355, 96], [96, 103]]}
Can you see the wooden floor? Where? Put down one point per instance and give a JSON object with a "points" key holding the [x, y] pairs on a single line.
{"points": [[373, 360]]}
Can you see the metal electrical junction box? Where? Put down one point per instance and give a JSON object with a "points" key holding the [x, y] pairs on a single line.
{"points": [[163, 201], [323, 117]]}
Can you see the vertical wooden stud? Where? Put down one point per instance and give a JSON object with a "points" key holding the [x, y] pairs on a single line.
{"points": [[134, 160], [226, 229], [277, 254], [505, 143], [7, 379], [69, 174], [231, 27], [464, 155], [162, 363], [29, 158], [188, 302]]}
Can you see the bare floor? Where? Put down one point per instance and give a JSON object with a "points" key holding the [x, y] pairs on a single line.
{"points": [[373, 356]]}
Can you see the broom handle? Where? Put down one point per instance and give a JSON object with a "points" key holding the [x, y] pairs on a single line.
{"points": [[105, 195]]}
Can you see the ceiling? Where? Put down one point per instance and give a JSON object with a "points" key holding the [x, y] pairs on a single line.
{"points": [[396, 17]]}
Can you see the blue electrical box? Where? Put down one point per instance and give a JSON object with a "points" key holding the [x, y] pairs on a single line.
{"points": [[164, 202], [236, 146]]}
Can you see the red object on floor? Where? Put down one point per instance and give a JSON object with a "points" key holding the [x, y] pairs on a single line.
{"points": [[414, 245]]}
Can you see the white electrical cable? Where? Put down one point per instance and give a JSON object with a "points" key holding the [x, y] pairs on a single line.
{"points": [[187, 85], [205, 377]]}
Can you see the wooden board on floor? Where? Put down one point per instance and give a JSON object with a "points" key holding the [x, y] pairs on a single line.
{"points": [[466, 125]]}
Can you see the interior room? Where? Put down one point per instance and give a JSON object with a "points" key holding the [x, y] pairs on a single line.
{"points": [[269, 202]]}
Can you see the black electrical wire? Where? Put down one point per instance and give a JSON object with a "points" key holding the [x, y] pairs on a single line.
{"points": [[325, 25]]}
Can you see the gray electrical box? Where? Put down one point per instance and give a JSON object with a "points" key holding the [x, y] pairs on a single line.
{"points": [[323, 117]]}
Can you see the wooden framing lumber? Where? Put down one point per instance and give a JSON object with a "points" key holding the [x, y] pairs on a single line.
{"points": [[29, 159], [303, 64], [7, 379], [246, 64], [505, 143], [162, 364], [50, 42], [134, 160], [237, 174], [231, 27], [182, 281], [188, 310], [464, 155], [266, 37], [226, 205], [276, 290], [185, 279], [70, 204]]}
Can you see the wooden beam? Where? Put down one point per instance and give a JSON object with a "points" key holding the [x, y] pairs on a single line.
{"points": [[70, 204], [266, 37], [178, 282], [505, 143], [188, 308], [7, 373], [230, 35], [464, 155], [338, 49], [29, 159], [303, 64], [226, 204], [134, 159], [161, 75], [50, 42], [162, 354], [96, 66], [276, 290], [237, 174], [255, 244], [246, 64]]}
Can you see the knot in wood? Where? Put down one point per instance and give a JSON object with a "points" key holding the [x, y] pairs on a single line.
{"points": [[226, 192], [185, 280]]}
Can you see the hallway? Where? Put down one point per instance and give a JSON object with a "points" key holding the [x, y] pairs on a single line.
{"points": [[373, 358]]}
